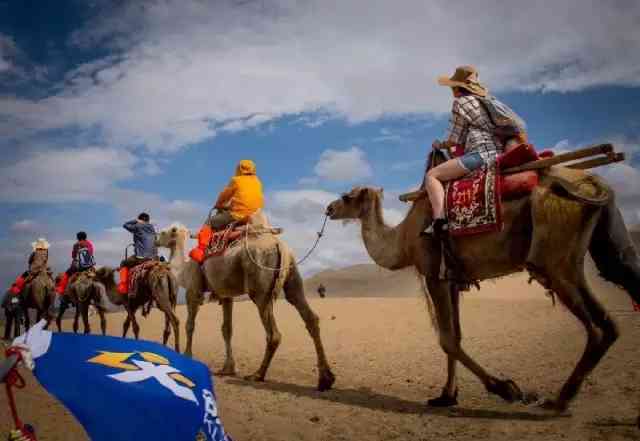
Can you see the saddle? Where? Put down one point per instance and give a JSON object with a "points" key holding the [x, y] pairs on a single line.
{"points": [[90, 273], [139, 273]]}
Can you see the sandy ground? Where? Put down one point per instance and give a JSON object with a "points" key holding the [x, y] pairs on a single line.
{"points": [[388, 363]]}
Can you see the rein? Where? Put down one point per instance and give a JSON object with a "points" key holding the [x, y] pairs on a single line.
{"points": [[299, 262]]}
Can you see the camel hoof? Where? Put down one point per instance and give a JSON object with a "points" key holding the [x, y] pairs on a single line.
{"points": [[508, 390], [254, 377], [553, 406], [444, 400], [226, 371], [326, 380]]}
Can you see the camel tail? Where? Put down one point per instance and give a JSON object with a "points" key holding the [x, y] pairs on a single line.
{"points": [[613, 251], [283, 272]]}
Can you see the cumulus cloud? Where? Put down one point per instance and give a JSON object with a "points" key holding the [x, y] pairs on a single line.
{"points": [[223, 63], [25, 226], [343, 165], [65, 175]]}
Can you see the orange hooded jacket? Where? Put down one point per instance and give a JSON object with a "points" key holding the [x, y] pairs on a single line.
{"points": [[244, 192]]}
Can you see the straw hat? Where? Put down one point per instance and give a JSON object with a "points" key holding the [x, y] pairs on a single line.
{"points": [[40, 244], [465, 77]]}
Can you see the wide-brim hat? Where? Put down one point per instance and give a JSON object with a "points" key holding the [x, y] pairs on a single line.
{"points": [[465, 77], [40, 244]]}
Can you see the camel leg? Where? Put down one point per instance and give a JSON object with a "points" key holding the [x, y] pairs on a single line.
{"points": [[61, 311], [229, 367], [273, 339], [193, 305], [85, 317], [601, 331], [450, 344], [125, 325], [170, 317], [449, 396], [167, 330], [27, 319], [294, 293], [76, 318], [103, 319], [135, 326], [8, 317]]}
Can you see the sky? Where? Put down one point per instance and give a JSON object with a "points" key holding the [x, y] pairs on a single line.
{"points": [[110, 108]]}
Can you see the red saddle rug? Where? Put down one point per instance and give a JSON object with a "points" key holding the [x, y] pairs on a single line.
{"points": [[223, 240], [138, 273], [473, 203]]}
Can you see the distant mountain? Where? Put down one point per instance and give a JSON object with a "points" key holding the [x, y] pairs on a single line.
{"points": [[366, 280]]}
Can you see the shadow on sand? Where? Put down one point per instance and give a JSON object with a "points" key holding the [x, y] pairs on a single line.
{"points": [[371, 400]]}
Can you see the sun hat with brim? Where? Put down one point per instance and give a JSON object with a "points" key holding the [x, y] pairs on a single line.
{"points": [[40, 244], [465, 77]]}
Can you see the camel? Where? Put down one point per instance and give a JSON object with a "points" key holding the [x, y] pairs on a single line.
{"points": [[533, 227], [160, 287], [258, 265], [38, 294], [83, 291]]}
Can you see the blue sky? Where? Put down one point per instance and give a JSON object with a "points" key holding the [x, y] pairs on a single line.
{"points": [[106, 110]]}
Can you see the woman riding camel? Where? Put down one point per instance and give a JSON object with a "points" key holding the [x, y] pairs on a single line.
{"points": [[471, 128], [38, 261]]}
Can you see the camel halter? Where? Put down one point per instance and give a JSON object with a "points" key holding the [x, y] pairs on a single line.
{"points": [[299, 262]]}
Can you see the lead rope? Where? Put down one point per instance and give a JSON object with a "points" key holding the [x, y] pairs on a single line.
{"points": [[299, 262]]}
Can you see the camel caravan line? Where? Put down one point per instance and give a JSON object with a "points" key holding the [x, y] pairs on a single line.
{"points": [[490, 205]]}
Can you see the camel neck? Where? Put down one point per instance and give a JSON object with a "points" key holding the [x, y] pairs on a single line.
{"points": [[177, 256], [383, 243]]}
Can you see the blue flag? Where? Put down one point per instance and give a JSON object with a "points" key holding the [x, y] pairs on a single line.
{"points": [[122, 389]]}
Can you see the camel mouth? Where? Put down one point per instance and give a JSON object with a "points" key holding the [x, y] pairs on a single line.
{"points": [[330, 212]]}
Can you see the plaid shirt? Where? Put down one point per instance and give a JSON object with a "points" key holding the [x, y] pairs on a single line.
{"points": [[471, 127]]}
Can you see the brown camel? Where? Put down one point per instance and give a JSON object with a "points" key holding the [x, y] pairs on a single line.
{"points": [[160, 287], [83, 291], [258, 265], [38, 294], [533, 228]]}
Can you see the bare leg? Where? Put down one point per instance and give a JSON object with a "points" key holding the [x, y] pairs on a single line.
{"points": [[294, 293], [433, 183], [229, 367], [273, 339], [193, 305]]}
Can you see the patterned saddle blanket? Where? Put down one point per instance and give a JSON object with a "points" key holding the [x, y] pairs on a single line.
{"points": [[474, 202], [138, 274], [221, 241]]}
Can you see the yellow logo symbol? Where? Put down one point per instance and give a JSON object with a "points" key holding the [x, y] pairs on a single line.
{"points": [[149, 366]]}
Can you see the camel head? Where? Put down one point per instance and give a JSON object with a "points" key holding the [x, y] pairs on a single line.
{"points": [[172, 235], [355, 204]]}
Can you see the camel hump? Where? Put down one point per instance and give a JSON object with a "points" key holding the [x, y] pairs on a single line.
{"points": [[258, 223], [578, 184]]}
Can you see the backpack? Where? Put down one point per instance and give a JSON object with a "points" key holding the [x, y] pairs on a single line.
{"points": [[506, 122], [85, 258]]}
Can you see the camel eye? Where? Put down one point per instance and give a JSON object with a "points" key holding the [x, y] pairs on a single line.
{"points": [[346, 198], [173, 230]]}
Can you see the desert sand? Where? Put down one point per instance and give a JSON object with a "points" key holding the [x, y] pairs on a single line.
{"points": [[385, 355]]}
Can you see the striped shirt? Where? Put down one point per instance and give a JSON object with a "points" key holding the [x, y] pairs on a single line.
{"points": [[470, 126]]}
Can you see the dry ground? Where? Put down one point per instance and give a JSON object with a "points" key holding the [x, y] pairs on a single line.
{"points": [[387, 362]]}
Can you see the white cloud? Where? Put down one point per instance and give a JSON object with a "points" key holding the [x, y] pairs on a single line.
{"points": [[65, 175], [223, 62], [25, 226], [343, 165]]}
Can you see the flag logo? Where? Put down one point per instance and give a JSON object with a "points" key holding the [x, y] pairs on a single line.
{"points": [[137, 367]]}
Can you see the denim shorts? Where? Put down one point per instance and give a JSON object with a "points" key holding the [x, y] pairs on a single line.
{"points": [[471, 161]]}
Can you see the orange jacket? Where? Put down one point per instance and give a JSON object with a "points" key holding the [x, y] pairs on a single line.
{"points": [[244, 192]]}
